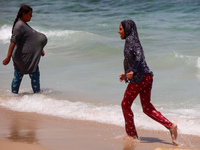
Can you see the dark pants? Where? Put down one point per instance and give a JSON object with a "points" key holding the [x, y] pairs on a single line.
{"points": [[35, 81]]}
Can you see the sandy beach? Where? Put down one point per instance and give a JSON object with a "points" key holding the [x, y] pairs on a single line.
{"points": [[19, 130]]}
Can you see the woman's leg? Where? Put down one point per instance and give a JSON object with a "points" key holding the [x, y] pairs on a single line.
{"points": [[129, 96], [16, 81], [148, 108], [35, 81]]}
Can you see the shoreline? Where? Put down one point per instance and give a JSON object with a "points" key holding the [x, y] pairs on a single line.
{"points": [[54, 133], [8, 145]]}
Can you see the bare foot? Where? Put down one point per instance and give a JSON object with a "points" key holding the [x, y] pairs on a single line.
{"points": [[130, 138], [174, 134]]}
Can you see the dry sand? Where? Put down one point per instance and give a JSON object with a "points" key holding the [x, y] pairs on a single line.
{"points": [[32, 131]]}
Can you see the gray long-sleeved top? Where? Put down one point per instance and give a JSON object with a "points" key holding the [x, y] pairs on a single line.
{"points": [[28, 47], [134, 59]]}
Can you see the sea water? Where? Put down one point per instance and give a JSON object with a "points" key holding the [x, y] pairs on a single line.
{"points": [[84, 57]]}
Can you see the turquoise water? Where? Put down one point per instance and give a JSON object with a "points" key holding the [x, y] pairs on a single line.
{"points": [[84, 57]]}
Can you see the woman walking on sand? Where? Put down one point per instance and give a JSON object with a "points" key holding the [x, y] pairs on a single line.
{"points": [[140, 79], [26, 48]]}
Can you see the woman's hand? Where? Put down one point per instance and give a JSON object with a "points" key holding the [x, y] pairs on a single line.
{"points": [[6, 61], [122, 77], [129, 75], [43, 53], [10, 50]]}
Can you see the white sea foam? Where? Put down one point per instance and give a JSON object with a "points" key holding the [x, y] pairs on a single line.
{"points": [[198, 62], [5, 34], [177, 55], [188, 59], [64, 33], [63, 108], [108, 114], [60, 33]]}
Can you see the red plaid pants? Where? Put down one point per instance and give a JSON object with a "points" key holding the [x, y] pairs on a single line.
{"points": [[144, 89]]}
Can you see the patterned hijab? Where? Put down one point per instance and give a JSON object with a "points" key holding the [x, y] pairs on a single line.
{"points": [[130, 28]]}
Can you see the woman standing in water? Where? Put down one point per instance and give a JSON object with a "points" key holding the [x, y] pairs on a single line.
{"points": [[140, 79], [26, 48]]}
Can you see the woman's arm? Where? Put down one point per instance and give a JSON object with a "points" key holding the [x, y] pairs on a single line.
{"points": [[122, 77], [10, 50], [129, 75]]}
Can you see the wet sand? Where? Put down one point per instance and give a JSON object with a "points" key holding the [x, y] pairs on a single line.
{"points": [[34, 131]]}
